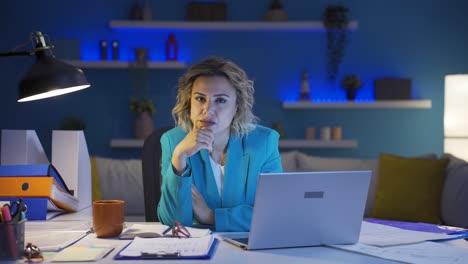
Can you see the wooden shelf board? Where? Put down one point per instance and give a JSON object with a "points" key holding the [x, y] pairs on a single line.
{"points": [[284, 143], [304, 143], [421, 104], [126, 64], [223, 25]]}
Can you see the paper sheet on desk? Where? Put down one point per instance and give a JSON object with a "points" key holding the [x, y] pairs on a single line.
{"points": [[382, 235], [186, 246], [424, 253], [160, 229], [53, 240], [55, 235]]}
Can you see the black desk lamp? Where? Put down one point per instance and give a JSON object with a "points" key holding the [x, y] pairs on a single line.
{"points": [[48, 76]]}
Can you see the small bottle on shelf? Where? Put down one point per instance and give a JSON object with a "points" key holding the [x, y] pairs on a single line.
{"points": [[305, 91], [115, 50], [171, 48], [103, 47]]}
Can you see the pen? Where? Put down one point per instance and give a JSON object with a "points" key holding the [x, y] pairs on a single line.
{"points": [[10, 229]]}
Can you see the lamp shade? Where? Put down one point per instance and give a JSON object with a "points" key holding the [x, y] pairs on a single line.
{"points": [[50, 77]]}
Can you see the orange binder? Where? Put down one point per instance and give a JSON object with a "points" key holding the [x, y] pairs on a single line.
{"points": [[37, 187], [26, 186]]}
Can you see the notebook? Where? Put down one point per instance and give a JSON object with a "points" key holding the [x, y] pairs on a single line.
{"points": [[297, 209]]}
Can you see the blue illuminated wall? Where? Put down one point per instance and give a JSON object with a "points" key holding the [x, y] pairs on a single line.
{"points": [[420, 39]]}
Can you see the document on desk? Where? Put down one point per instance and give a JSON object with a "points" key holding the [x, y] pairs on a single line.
{"points": [[55, 235], [168, 248], [161, 229], [424, 253], [383, 235]]}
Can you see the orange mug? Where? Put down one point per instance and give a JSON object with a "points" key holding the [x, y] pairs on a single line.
{"points": [[108, 218]]}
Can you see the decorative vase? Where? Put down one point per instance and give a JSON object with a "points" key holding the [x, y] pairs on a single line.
{"points": [[351, 93], [143, 125], [136, 13], [141, 55], [147, 12], [276, 15]]}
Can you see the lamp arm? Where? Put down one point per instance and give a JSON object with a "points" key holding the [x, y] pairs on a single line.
{"points": [[16, 54]]}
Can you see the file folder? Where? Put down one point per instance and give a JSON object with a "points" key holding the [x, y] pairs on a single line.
{"points": [[33, 170], [161, 255], [36, 181]]}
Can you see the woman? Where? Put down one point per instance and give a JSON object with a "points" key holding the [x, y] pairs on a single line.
{"points": [[211, 160]]}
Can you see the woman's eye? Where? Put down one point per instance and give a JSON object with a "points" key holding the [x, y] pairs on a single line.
{"points": [[199, 98], [221, 100]]}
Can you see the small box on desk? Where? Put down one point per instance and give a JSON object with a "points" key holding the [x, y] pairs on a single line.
{"points": [[392, 89], [12, 240]]}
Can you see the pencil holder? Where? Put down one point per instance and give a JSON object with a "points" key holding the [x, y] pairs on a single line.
{"points": [[12, 240]]}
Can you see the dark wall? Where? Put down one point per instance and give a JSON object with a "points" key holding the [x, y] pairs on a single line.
{"points": [[422, 40]]}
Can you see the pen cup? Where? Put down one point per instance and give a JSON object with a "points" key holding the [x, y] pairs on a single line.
{"points": [[12, 240]]}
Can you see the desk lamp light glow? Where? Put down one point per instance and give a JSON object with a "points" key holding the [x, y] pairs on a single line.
{"points": [[48, 76]]}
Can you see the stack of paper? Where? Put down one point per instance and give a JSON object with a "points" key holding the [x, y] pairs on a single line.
{"points": [[382, 235], [163, 229], [405, 245], [55, 235], [82, 253]]}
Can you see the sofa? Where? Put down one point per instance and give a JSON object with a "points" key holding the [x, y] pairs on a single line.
{"points": [[122, 179]]}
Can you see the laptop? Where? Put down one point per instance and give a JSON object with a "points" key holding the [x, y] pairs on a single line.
{"points": [[299, 209]]}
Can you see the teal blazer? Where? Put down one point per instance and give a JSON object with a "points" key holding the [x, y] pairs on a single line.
{"points": [[247, 156]]}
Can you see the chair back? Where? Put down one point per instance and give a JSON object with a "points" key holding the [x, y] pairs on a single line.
{"points": [[152, 179]]}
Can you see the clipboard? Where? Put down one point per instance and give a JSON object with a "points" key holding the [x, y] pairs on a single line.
{"points": [[210, 253]]}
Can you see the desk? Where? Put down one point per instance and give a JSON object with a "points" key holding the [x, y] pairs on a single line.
{"points": [[227, 253]]}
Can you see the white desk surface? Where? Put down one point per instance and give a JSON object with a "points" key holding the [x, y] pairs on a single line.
{"points": [[227, 253]]}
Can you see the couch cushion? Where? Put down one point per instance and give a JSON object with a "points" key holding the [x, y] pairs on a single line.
{"points": [[409, 189], [122, 180], [454, 203], [312, 163]]}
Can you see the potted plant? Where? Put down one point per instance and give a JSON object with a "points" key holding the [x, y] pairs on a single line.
{"points": [[72, 123], [336, 23], [351, 83], [144, 109], [276, 12]]}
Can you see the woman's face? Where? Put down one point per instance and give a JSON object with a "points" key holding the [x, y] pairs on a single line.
{"points": [[213, 104]]}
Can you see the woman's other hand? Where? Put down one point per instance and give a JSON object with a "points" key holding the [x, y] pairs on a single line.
{"points": [[202, 212]]}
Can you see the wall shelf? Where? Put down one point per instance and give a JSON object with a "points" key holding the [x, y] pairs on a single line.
{"points": [[284, 143], [129, 25], [126, 64], [306, 143], [126, 143], [395, 104]]}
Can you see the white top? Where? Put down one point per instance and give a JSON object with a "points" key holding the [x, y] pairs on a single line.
{"points": [[218, 172]]}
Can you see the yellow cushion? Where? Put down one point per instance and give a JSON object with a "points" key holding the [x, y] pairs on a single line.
{"points": [[96, 192], [409, 189]]}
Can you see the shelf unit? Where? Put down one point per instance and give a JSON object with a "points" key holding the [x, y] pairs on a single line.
{"points": [[307, 143], [284, 143], [126, 25], [126, 64], [395, 104], [245, 26], [126, 143]]}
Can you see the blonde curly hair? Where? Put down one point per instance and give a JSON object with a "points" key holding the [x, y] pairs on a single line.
{"points": [[244, 120]]}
